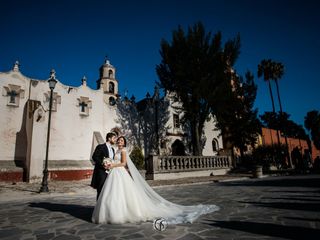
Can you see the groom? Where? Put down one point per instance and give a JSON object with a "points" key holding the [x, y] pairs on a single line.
{"points": [[102, 151]]}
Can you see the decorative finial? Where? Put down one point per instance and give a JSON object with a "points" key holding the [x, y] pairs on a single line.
{"points": [[84, 80], [106, 61], [53, 74], [16, 66]]}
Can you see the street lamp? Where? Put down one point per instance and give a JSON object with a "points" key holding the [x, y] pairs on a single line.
{"points": [[156, 109], [52, 83]]}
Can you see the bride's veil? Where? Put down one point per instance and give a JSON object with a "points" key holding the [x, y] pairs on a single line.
{"points": [[173, 213]]}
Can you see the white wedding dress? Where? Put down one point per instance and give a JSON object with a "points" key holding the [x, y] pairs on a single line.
{"points": [[126, 198]]}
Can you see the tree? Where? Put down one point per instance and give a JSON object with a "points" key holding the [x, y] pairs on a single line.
{"points": [[238, 119], [129, 120], [272, 70], [137, 157], [193, 66], [312, 124], [154, 115], [265, 70], [283, 122], [278, 71], [144, 122], [270, 120]]}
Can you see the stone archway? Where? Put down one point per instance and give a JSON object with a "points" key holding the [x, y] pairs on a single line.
{"points": [[178, 148], [215, 145]]}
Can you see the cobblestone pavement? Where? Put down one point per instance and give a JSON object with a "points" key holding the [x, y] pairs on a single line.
{"points": [[282, 207]]}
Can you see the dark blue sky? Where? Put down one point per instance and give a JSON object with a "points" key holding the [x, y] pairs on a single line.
{"points": [[73, 37]]}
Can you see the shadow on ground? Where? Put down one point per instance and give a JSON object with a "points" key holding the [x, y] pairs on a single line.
{"points": [[268, 229], [304, 219], [77, 211], [309, 181], [296, 198], [312, 207]]}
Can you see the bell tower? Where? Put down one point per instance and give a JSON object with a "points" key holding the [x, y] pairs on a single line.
{"points": [[108, 82]]}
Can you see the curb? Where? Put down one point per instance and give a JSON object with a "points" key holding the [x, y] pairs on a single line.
{"points": [[202, 182]]}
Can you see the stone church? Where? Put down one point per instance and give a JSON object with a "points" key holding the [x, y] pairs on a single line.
{"points": [[80, 119]]}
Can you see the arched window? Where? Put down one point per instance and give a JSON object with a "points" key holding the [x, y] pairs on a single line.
{"points": [[215, 145], [110, 74], [112, 101], [111, 87]]}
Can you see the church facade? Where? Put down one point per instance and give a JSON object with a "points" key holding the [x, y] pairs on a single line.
{"points": [[80, 119]]}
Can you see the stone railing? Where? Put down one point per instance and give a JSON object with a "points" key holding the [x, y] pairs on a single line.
{"points": [[182, 164]]}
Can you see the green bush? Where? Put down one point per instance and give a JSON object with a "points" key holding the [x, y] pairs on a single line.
{"points": [[137, 157], [270, 155]]}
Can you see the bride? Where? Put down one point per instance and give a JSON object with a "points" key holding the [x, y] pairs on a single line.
{"points": [[127, 197]]}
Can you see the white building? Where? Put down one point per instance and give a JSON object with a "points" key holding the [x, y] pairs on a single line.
{"points": [[80, 119], [212, 139]]}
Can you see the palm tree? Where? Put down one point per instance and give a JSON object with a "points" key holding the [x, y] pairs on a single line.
{"points": [[272, 70], [278, 70], [265, 69]]}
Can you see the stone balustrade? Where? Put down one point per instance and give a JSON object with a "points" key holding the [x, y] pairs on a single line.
{"points": [[170, 167]]}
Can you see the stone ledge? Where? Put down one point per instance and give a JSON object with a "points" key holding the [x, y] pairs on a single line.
{"points": [[11, 166], [186, 174], [198, 180], [70, 165]]}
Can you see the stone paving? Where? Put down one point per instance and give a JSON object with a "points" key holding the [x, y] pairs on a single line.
{"points": [[281, 207]]}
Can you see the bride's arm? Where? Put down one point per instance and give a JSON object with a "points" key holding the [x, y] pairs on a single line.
{"points": [[123, 161]]}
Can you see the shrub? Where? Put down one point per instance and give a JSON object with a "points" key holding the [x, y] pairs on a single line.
{"points": [[270, 155], [137, 157]]}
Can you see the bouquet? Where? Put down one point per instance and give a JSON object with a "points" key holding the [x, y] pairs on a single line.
{"points": [[107, 161]]}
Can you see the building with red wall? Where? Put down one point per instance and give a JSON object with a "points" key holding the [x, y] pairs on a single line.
{"points": [[269, 137]]}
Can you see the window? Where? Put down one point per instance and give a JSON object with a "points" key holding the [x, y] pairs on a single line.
{"points": [[54, 104], [215, 145], [84, 104], [56, 99], [112, 101], [110, 74], [13, 94], [111, 87], [176, 121]]}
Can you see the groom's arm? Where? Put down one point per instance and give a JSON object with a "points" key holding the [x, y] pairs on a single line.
{"points": [[98, 156]]}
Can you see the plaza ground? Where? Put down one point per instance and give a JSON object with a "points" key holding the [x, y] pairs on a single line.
{"points": [[273, 207]]}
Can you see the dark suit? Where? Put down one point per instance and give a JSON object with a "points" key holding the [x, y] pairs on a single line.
{"points": [[99, 173]]}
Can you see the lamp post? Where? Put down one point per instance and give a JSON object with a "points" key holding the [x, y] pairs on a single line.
{"points": [[52, 83], [156, 104]]}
